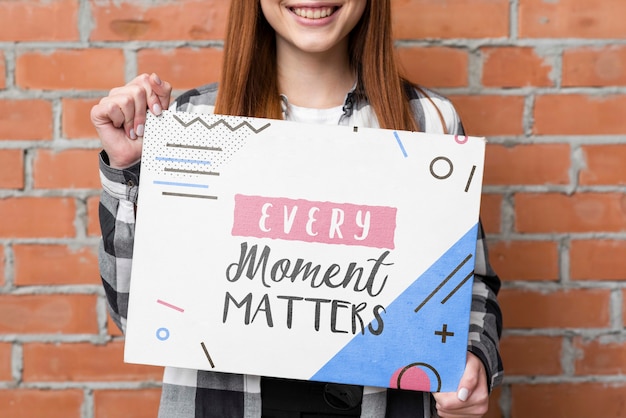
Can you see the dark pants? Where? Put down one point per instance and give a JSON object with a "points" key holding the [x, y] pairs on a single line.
{"points": [[284, 398]]}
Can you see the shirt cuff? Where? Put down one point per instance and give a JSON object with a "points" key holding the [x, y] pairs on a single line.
{"points": [[122, 184], [491, 360]]}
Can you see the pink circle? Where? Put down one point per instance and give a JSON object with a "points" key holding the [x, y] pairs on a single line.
{"points": [[456, 138], [412, 378]]}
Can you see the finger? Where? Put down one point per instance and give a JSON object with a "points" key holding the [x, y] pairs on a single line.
{"points": [[463, 394], [471, 378], [107, 113], [139, 114], [162, 91], [448, 406], [122, 110], [148, 89], [157, 91]]}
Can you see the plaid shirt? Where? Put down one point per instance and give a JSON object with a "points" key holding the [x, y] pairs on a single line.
{"points": [[194, 393]]}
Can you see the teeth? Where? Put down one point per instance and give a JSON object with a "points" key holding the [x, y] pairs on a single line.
{"points": [[317, 13]]}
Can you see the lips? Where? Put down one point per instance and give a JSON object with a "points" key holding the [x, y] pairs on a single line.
{"points": [[314, 12]]}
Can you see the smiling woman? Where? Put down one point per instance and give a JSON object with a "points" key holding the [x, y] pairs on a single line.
{"points": [[304, 28], [298, 60], [258, 74]]}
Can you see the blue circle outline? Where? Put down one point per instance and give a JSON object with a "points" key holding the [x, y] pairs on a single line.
{"points": [[158, 334]]}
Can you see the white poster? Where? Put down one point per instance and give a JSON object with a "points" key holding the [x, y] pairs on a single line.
{"points": [[328, 253]]}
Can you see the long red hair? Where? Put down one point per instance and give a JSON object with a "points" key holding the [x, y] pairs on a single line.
{"points": [[249, 87]]}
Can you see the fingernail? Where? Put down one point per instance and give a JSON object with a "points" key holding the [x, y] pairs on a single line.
{"points": [[139, 130], [156, 109], [132, 134], [462, 394], [156, 79]]}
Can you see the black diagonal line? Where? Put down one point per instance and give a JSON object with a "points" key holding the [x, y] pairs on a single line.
{"points": [[469, 180], [206, 352], [443, 282], [198, 147], [221, 122], [457, 288]]}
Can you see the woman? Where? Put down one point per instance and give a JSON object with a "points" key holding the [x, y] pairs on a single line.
{"points": [[306, 61]]}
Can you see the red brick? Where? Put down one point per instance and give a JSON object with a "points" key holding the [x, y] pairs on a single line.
{"points": [[576, 114], [25, 119], [598, 260], [93, 220], [447, 67], [525, 260], [532, 355], [572, 19], [515, 67], [555, 309], [112, 328], [70, 69], [491, 212], [495, 411], [29, 403], [5, 362], [82, 362], [164, 20], [37, 217], [600, 358], [581, 212], [116, 403], [594, 66], [68, 169], [54, 264], [418, 19], [12, 169], [571, 400], [48, 314], [536, 164], [491, 115], [183, 68], [30, 20], [604, 164], [76, 121]]}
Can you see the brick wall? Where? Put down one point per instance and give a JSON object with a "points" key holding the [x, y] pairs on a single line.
{"points": [[545, 81]]}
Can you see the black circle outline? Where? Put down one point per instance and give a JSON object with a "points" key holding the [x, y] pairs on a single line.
{"points": [[420, 364], [432, 172]]}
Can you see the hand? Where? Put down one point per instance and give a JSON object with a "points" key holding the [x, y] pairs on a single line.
{"points": [[471, 398], [120, 117]]}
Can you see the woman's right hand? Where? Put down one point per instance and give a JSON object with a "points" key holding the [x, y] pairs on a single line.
{"points": [[120, 117]]}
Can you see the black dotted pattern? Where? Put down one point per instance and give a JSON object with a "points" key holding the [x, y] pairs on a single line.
{"points": [[186, 146]]}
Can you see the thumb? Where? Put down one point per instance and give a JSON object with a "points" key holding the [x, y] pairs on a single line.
{"points": [[474, 369], [463, 393]]}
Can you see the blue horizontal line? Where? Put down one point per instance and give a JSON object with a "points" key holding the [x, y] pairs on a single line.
{"points": [[173, 183], [182, 160]]}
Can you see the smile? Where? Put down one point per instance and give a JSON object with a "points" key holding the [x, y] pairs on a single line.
{"points": [[314, 13]]}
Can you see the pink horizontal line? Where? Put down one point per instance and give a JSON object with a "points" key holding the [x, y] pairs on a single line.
{"points": [[169, 305]]}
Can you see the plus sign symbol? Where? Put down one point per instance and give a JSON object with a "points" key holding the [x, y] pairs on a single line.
{"points": [[444, 333]]}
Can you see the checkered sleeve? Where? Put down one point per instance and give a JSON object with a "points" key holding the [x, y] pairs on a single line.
{"points": [[117, 224], [486, 317]]}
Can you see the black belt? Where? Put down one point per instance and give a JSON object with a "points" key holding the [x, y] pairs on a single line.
{"points": [[285, 398]]}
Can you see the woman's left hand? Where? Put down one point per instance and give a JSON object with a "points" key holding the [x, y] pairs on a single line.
{"points": [[471, 398]]}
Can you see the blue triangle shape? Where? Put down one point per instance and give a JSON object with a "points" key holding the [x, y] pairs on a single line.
{"points": [[424, 340]]}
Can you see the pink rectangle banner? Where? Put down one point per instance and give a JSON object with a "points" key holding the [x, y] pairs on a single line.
{"points": [[308, 221]]}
